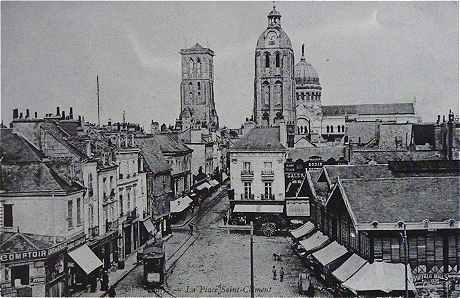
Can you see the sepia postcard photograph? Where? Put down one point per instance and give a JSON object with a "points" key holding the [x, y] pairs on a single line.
{"points": [[230, 149]]}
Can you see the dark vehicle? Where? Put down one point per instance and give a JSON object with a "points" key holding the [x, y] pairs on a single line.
{"points": [[304, 285], [267, 224], [153, 258]]}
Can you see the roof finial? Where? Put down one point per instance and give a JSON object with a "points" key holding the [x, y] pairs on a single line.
{"points": [[303, 50], [274, 6]]}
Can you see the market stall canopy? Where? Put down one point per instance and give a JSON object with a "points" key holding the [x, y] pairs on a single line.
{"points": [[203, 186], [380, 276], [297, 208], [213, 182], [302, 230], [258, 208], [180, 204], [149, 226], [85, 258], [314, 241], [349, 267], [329, 253]]}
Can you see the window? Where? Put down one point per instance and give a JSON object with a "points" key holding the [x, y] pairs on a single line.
{"points": [[104, 187], [121, 204], [69, 214], [268, 191], [332, 128], [128, 191], [78, 211], [111, 184], [247, 190], [198, 66], [327, 128], [199, 86], [278, 93], [267, 60], [268, 165], [266, 93], [190, 66], [8, 215], [90, 184], [246, 166], [277, 59], [338, 128], [343, 128]]}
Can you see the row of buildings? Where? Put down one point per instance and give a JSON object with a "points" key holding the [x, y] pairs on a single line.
{"points": [[354, 177], [75, 196]]}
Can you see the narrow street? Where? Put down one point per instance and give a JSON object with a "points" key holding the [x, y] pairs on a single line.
{"points": [[218, 263]]}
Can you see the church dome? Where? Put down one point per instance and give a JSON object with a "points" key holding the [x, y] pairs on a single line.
{"points": [[274, 28], [304, 72], [284, 40]]}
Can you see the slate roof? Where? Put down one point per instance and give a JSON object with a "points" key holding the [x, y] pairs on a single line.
{"points": [[363, 131], [169, 144], [14, 148], [260, 139], [16, 242], [369, 109], [154, 159], [384, 156], [411, 199], [356, 171], [65, 138], [325, 152], [71, 127]]}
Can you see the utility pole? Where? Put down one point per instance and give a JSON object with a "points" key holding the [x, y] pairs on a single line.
{"points": [[404, 238], [98, 108], [252, 260]]}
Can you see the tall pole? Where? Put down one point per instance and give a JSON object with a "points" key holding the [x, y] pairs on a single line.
{"points": [[405, 263], [98, 109], [252, 260]]}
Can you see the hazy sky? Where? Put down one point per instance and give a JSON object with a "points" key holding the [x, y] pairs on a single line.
{"points": [[364, 52]]}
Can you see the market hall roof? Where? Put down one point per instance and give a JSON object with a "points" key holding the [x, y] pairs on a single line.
{"points": [[410, 199], [260, 139], [323, 152], [369, 109]]}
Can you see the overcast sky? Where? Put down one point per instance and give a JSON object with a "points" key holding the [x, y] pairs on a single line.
{"points": [[364, 52]]}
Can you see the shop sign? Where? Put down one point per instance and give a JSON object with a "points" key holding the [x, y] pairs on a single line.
{"points": [[23, 256], [79, 240], [38, 280], [57, 248]]}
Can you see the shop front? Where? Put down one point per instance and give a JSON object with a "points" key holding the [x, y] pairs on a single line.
{"points": [[179, 208], [83, 268], [106, 248]]}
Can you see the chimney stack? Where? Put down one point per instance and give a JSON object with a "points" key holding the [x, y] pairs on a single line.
{"points": [[58, 112], [27, 113], [443, 118], [70, 113], [109, 123], [15, 114], [35, 115]]}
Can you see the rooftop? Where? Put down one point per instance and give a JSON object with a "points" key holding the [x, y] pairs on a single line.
{"points": [[14, 148], [369, 109], [260, 139], [354, 172], [169, 144], [154, 159], [323, 152]]}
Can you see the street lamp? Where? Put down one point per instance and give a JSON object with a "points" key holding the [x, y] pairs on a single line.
{"points": [[404, 239], [252, 261]]}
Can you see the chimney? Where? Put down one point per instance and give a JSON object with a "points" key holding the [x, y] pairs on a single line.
{"points": [[57, 112], [70, 113], [443, 118], [35, 115], [154, 127], [79, 119], [15, 114], [283, 133], [109, 123], [27, 113]]}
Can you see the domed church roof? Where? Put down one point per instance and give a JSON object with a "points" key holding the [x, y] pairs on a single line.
{"points": [[304, 72], [274, 25]]}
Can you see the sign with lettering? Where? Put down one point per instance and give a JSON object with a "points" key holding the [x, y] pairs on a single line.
{"points": [[23, 256], [38, 280]]}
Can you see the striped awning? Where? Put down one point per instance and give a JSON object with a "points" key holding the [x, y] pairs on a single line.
{"points": [[297, 208], [315, 241], [85, 258], [349, 267], [329, 253], [258, 208], [302, 230]]}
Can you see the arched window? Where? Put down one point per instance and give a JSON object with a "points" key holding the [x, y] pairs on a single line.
{"points": [[191, 65], [266, 93], [198, 66], [278, 93], [301, 129], [277, 59], [327, 128], [267, 60], [305, 129], [298, 130], [338, 128], [332, 128]]}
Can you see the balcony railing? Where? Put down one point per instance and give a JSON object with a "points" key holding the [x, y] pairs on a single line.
{"points": [[247, 197], [93, 232], [247, 174], [267, 172], [267, 197], [111, 225], [132, 214]]}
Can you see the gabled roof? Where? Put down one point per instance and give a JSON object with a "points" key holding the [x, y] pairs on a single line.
{"points": [[332, 172], [369, 109], [324, 152], [260, 139], [410, 199], [168, 144], [64, 138], [16, 242], [151, 151], [14, 148]]}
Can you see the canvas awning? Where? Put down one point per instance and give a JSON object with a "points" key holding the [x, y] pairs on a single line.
{"points": [[258, 208], [314, 241], [297, 208], [380, 276], [349, 267], [180, 204], [329, 253], [85, 258], [203, 186], [149, 226], [214, 182], [302, 230]]}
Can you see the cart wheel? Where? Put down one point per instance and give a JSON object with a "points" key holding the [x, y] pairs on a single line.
{"points": [[268, 229]]}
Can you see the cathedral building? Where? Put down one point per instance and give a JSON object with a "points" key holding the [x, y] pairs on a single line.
{"points": [[197, 90]]}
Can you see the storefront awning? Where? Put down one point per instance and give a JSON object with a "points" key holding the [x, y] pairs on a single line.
{"points": [[149, 226], [297, 208], [203, 186], [258, 208], [85, 258], [349, 267], [214, 182], [315, 241], [302, 230], [180, 204], [330, 253], [380, 276]]}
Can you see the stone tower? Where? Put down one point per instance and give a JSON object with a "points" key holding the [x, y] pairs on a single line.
{"points": [[197, 89], [274, 84], [308, 98]]}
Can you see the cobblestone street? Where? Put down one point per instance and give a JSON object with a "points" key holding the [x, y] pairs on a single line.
{"points": [[218, 263]]}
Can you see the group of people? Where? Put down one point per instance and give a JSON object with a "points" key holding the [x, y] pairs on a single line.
{"points": [[281, 273]]}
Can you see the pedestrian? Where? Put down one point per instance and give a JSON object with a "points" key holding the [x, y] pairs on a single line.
{"points": [[225, 219], [281, 274], [191, 229], [274, 272], [112, 292], [105, 281]]}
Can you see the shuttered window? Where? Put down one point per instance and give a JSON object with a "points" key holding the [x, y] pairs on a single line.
{"points": [[386, 249], [421, 249], [378, 252]]}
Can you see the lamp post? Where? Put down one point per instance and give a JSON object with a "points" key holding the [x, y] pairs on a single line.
{"points": [[252, 260], [404, 239]]}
